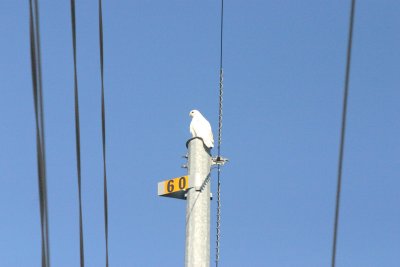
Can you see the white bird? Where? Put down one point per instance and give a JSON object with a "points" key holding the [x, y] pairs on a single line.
{"points": [[200, 127]]}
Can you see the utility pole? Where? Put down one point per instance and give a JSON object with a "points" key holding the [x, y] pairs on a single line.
{"points": [[197, 249], [195, 188]]}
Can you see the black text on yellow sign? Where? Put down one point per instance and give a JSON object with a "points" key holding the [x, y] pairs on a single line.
{"points": [[176, 184]]}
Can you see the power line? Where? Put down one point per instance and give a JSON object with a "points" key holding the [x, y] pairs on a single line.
{"points": [[343, 131], [77, 134], [220, 99], [103, 128], [39, 116]]}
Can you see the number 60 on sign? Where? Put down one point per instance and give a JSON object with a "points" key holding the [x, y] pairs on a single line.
{"points": [[173, 187]]}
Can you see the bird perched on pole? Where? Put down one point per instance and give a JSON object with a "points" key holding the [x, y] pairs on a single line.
{"points": [[200, 127]]}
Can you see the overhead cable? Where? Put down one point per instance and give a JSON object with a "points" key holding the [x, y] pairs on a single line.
{"points": [[220, 99], [103, 129], [77, 134], [343, 132], [39, 118]]}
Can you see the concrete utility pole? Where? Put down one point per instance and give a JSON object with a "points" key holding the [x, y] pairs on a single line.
{"points": [[197, 252]]}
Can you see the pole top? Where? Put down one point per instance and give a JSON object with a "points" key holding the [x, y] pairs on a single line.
{"points": [[191, 139], [208, 150]]}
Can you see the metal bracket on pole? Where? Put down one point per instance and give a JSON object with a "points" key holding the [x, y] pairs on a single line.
{"points": [[219, 161]]}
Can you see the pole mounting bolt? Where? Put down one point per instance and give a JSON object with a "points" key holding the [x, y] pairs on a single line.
{"points": [[185, 165]]}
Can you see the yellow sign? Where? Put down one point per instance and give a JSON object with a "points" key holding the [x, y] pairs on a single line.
{"points": [[176, 184]]}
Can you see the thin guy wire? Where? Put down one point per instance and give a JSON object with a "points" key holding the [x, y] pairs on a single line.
{"points": [[221, 87], [218, 217], [202, 187], [103, 128], [40, 146], [343, 132], [77, 134]]}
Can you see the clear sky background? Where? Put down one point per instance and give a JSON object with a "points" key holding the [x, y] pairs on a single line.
{"points": [[284, 65]]}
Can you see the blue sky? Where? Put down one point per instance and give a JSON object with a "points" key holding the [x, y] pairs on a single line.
{"points": [[284, 65]]}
